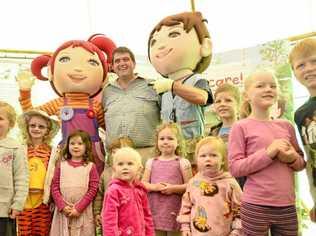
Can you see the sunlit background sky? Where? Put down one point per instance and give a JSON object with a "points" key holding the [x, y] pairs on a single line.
{"points": [[45, 24]]}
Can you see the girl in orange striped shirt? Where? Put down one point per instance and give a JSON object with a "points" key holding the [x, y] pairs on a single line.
{"points": [[38, 129]]}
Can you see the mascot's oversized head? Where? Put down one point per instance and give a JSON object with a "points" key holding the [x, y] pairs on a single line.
{"points": [[77, 66], [180, 42]]}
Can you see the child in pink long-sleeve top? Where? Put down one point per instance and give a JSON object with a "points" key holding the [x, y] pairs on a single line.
{"points": [[267, 153], [210, 205], [125, 206], [74, 187]]}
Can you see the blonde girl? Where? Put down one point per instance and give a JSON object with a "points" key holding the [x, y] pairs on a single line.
{"points": [[125, 208], [210, 205], [74, 187], [14, 173], [165, 177], [106, 176], [267, 153], [38, 130]]}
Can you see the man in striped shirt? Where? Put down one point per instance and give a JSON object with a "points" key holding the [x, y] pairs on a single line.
{"points": [[131, 105]]}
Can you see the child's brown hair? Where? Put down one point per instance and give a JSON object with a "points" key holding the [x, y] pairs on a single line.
{"points": [[304, 48], [85, 137], [216, 143], [119, 143]]}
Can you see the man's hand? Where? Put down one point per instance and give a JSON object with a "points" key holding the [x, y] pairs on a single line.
{"points": [[162, 85]]}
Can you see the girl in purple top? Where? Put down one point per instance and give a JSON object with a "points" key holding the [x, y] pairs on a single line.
{"points": [[74, 187], [267, 153], [165, 177]]}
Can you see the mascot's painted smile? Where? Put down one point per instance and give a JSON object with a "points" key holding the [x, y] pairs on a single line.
{"points": [[76, 78]]}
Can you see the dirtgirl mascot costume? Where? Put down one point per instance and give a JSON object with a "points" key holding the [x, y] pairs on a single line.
{"points": [[76, 71]]}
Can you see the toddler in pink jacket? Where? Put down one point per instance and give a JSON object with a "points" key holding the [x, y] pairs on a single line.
{"points": [[125, 206], [211, 203]]}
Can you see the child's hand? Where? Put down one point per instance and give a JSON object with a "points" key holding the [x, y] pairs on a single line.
{"points": [[236, 232], [98, 221], [168, 189], [312, 214], [14, 213], [67, 210], [277, 145], [159, 186], [186, 233], [74, 213], [287, 156]]}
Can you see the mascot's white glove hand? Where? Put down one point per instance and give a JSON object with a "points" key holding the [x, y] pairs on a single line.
{"points": [[162, 85], [25, 80]]}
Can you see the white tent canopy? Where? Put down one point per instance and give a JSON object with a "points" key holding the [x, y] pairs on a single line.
{"points": [[44, 25]]}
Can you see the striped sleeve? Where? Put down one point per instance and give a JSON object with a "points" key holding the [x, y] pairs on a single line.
{"points": [[43, 152], [51, 107], [100, 113]]}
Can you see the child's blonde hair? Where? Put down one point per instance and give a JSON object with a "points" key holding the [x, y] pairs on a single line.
{"points": [[119, 143], [218, 144], [229, 88], [180, 150], [10, 113], [131, 152], [245, 108], [23, 123], [304, 48]]}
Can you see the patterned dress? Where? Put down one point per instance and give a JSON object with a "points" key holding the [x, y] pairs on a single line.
{"points": [[74, 184], [165, 208]]}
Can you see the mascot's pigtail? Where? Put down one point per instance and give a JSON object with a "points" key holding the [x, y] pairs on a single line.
{"points": [[38, 64], [106, 45]]}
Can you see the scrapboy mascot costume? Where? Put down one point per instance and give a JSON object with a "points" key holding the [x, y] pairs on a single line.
{"points": [[179, 48]]}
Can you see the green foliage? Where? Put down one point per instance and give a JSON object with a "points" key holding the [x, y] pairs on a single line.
{"points": [[283, 70], [275, 52]]}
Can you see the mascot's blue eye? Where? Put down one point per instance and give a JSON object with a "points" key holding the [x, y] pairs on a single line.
{"points": [[64, 59], [93, 62]]}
